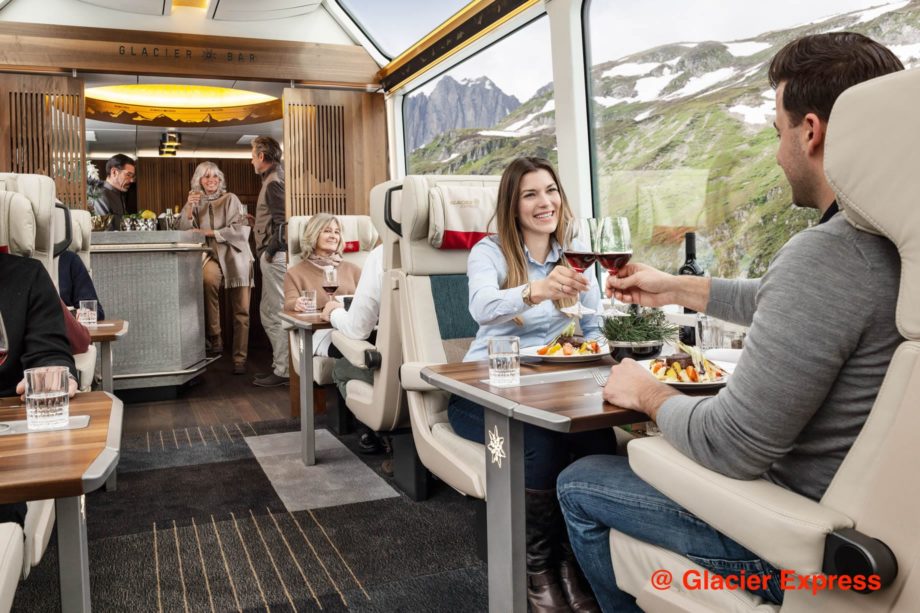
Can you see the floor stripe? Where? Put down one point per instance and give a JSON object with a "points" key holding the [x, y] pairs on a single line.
{"points": [[179, 558], [271, 559], [204, 568], [188, 436], [203, 442], [241, 431], [176, 440], [253, 429], [339, 553], [223, 556], [302, 574], [249, 558], [162, 446], [227, 431], [156, 557], [148, 442]]}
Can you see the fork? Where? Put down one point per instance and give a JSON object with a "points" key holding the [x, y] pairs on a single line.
{"points": [[600, 377]]}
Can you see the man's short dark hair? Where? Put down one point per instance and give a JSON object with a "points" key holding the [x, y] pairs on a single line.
{"points": [[118, 161], [818, 68], [268, 147]]}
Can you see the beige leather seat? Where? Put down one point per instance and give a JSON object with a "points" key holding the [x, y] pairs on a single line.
{"points": [[26, 217], [876, 491], [11, 547], [437, 326]]}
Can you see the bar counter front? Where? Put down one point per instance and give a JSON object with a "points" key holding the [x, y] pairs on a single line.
{"points": [[153, 279]]}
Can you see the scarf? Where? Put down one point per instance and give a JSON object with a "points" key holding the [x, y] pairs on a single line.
{"points": [[325, 262]]}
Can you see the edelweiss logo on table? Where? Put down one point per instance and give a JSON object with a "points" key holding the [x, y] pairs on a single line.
{"points": [[496, 446]]}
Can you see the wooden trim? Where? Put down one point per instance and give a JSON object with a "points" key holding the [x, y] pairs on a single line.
{"points": [[41, 47]]}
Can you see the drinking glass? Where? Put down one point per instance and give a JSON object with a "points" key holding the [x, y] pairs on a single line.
{"points": [[330, 281], [504, 361], [309, 300], [710, 332], [579, 253], [614, 249], [86, 314], [47, 397], [4, 350]]}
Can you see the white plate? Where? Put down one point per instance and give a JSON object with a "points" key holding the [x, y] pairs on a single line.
{"points": [[558, 357], [683, 385]]}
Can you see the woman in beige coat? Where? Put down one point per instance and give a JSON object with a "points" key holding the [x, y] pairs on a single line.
{"points": [[219, 216]]}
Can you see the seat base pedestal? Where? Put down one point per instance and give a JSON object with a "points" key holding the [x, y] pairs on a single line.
{"points": [[410, 474]]}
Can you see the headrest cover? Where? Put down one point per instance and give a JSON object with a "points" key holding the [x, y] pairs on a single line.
{"points": [[459, 216], [871, 160]]}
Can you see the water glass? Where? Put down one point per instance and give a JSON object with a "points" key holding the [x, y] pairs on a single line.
{"points": [[709, 332], [504, 361], [309, 300], [47, 397], [86, 314]]}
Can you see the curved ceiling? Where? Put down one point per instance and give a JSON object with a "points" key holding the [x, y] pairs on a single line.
{"points": [[223, 10]]}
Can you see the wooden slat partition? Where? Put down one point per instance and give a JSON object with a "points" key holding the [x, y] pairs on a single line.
{"points": [[43, 131], [335, 150], [164, 183]]}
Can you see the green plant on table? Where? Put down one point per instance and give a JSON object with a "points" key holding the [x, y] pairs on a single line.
{"points": [[640, 325]]}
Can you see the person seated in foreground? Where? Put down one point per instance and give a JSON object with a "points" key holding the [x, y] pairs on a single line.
{"points": [[75, 284], [358, 323], [518, 281], [322, 247], [828, 328], [34, 323]]}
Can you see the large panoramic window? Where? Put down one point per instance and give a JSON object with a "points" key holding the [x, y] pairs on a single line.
{"points": [[682, 114], [487, 110], [395, 26]]}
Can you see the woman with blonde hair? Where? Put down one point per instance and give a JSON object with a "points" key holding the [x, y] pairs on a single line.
{"points": [[518, 281], [219, 216], [322, 246]]}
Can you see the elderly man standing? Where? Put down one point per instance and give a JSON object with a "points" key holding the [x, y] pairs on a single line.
{"points": [[272, 250], [120, 173]]}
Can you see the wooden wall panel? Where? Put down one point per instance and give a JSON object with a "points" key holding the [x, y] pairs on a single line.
{"points": [[42, 131], [335, 150], [164, 183]]}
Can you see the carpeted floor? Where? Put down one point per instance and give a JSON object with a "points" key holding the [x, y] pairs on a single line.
{"points": [[224, 518]]}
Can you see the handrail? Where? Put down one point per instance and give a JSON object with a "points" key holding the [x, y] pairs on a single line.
{"points": [[391, 223]]}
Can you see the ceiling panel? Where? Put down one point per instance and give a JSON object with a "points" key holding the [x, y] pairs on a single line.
{"points": [[142, 7], [247, 10]]}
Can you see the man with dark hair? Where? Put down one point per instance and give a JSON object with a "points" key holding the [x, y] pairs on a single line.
{"points": [[120, 173], [272, 253], [824, 329]]}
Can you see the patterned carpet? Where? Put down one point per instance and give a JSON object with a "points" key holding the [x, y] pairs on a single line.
{"points": [[227, 519]]}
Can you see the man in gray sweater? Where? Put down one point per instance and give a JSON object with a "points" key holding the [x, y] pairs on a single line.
{"points": [[822, 332]]}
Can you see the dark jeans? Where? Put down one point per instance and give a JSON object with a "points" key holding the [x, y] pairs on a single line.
{"points": [[546, 452], [602, 492]]}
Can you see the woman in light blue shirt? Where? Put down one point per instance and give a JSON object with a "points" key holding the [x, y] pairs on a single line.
{"points": [[518, 281]]}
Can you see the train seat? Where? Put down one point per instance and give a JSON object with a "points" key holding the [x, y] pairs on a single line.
{"points": [[26, 217], [874, 497], [437, 326], [11, 548]]}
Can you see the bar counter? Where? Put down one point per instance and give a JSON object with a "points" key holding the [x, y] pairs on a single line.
{"points": [[153, 280]]}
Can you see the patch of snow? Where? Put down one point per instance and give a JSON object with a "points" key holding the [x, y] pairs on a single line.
{"points": [[673, 62], [746, 48], [755, 115], [503, 133], [906, 52], [549, 106], [518, 126], [768, 94], [607, 101], [642, 116], [647, 89], [631, 69], [447, 159], [698, 84], [688, 45], [870, 14]]}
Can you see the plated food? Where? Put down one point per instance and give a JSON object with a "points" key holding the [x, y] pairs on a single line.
{"points": [[568, 346], [690, 367]]}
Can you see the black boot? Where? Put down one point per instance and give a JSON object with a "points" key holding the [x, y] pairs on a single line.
{"points": [[544, 518], [574, 585]]}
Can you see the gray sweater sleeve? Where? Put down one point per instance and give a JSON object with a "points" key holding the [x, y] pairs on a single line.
{"points": [[811, 308], [733, 300]]}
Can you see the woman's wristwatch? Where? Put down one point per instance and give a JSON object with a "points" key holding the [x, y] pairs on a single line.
{"points": [[525, 295]]}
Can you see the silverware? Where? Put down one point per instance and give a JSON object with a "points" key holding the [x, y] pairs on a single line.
{"points": [[600, 377]]}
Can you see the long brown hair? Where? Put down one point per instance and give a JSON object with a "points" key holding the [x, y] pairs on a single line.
{"points": [[511, 239]]}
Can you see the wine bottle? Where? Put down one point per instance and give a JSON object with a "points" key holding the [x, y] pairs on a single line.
{"points": [[689, 267]]}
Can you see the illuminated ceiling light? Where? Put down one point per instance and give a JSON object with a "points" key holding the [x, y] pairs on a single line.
{"points": [[198, 4], [176, 96]]}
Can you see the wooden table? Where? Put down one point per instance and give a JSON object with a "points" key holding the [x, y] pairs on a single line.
{"points": [[560, 405], [64, 465], [306, 324], [104, 332]]}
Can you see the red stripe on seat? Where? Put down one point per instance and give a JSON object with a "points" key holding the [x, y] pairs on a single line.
{"points": [[454, 239], [352, 246]]}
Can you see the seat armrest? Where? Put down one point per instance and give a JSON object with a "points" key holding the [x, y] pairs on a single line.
{"points": [[410, 377], [354, 351], [784, 528]]}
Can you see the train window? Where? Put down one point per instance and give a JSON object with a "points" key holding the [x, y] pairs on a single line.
{"points": [[487, 110], [394, 26], [682, 114]]}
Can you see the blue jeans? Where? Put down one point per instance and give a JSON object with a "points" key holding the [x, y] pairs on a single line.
{"points": [[602, 492], [546, 452]]}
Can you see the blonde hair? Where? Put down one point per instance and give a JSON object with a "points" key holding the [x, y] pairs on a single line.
{"points": [[511, 239], [314, 228], [204, 169]]}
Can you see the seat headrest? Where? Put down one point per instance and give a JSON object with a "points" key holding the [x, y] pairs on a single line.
{"points": [[432, 204], [39, 191], [357, 231], [377, 201], [871, 160]]}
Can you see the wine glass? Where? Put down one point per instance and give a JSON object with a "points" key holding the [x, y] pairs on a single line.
{"points": [[579, 253], [330, 281], [4, 350], [614, 250]]}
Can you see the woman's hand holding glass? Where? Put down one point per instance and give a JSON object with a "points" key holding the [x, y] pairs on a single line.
{"points": [[561, 283], [580, 257]]}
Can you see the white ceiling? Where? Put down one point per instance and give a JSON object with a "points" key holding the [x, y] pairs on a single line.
{"points": [[222, 10], [143, 141]]}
